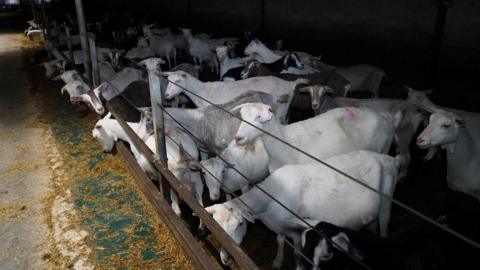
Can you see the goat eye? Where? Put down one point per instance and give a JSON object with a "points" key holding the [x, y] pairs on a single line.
{"points": [[446, 125]]}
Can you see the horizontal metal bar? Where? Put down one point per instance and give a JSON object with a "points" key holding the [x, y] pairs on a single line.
{"points": [[223, 238], [187, 241]]}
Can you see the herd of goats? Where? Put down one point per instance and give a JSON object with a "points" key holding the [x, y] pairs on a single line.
{"points": [[317, 182]]}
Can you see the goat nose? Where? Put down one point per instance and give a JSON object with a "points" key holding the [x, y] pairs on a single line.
{"points": [[420, 140], [238, 139]]}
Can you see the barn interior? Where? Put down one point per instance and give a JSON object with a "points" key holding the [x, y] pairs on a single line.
{"points": [[65, 203]]}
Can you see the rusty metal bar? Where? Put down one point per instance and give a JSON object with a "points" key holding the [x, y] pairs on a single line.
{"points": [[69, 45], [156, 96], [187, 241], [223, 238], [94, 60], [84, 40], [34, 13], [45, 18]]}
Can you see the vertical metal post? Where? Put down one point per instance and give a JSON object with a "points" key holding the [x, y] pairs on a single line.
{"points": [[156, 97], [34, 14], [45, 19], [37, 15], [69, 44], [438, 37], [94, 59], [87, 64]]}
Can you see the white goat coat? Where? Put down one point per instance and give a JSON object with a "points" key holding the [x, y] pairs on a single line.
{"points": [[251, 160], [111, 130], [223, 92], [317, 193], [333, 133]]}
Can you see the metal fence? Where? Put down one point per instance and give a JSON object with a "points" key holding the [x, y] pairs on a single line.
{"points": [[157, 84]]}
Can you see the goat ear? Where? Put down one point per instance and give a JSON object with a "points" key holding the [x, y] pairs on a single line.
{"points": [[107, 116], [237, 109], [248, 216], [194, 165], [427, 109], [77, 98], [181, 153], [165, 73], [409, 89], [342, 241], [211, 209], [303, 89], [328, 89], [283, 98], [103, 86]]}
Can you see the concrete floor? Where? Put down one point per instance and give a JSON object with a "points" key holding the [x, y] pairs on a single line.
{"points": [[24, 173], [64, 204]]}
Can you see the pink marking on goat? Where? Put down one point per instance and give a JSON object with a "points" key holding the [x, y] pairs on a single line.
{"points": [[351, 113], [256, 80], [250, 93], [168, 133]]}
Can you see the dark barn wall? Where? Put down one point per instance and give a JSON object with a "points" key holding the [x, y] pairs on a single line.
{"points": [[395, 35]]}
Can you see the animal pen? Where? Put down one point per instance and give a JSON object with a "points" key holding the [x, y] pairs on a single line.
{"points": [[158, 195]]}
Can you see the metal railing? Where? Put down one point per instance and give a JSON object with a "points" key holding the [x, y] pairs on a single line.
{"points": [[156, 84]]}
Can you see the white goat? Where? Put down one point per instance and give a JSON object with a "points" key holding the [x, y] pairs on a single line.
{"points": [[108, 131], [316, 193], [107, 73], [335, 132], [361, 77], [222, 92], [69, 76], [407, 114], [74, 89], [419, 98], [119, 82], [258, 51], [227, 63], [52, 66], [140, 53], [163, 46], [201, 51], [460, 136], [251, 160]]}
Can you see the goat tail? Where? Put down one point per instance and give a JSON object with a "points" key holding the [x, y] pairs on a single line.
{"points": [[298, 82]]}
